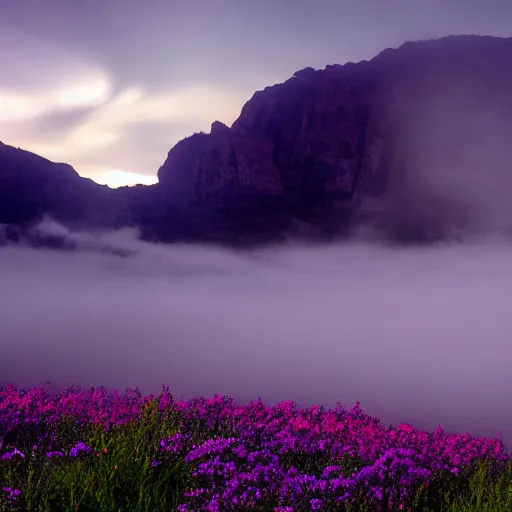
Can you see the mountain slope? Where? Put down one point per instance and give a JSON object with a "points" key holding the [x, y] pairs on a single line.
{"points": [[420, 134], [32, 187]]}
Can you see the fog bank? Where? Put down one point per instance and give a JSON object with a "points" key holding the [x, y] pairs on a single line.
{"points": [[415, 334]]}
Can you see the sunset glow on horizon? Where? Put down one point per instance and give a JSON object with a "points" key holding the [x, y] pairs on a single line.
{"points": [[115, 178]]}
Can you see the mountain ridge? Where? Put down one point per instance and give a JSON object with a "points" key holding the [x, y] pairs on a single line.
{"points": [[384, 141]]}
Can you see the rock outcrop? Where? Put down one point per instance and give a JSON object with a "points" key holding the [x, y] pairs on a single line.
{"points": [[416, 140]]}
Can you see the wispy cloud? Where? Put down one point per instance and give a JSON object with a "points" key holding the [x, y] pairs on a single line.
{"points": [[89, 89], [91, 141], [200, 105]]}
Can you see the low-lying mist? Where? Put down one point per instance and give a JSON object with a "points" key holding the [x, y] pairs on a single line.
{"points": [[415, 334]]}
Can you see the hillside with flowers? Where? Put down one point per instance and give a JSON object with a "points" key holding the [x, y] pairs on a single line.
{"points": [[96, 450]]}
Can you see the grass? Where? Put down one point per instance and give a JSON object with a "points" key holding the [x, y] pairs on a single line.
{"points": [[99, 452]]}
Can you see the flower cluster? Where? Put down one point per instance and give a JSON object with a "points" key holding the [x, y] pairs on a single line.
{"points": [[255, 456], [12, 494]]}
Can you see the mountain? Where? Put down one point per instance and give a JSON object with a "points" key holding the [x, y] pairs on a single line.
{"points": [[414, 143], [32, 187]]}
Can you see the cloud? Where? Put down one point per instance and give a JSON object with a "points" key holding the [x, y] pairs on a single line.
{"points": [[106, 132], [417, 335], [200, 105], [45, 78], [111, 142], [90, 89]]}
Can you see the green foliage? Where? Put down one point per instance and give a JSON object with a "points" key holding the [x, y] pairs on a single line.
{"points": [[485, 487], [116, 477]]}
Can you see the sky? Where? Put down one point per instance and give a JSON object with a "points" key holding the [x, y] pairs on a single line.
{"points": [[109, 86]]}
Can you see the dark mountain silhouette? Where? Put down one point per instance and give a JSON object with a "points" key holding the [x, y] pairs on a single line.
{"points": [[415, 142], [32, 187]]}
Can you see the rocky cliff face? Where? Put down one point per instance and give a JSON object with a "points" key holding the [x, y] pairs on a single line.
{"points": [[415, 143], [303, 140], [416, 139]]}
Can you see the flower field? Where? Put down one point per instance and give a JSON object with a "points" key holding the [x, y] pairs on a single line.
{"points": [[95, 450]]}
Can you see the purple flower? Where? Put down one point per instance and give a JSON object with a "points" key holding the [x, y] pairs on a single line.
{"points": [[210, 447], [12, 494], [174, 444], [54, 454], [10, 455], [79, 447]]}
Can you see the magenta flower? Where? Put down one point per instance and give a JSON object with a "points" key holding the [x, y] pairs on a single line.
{"points": [[11, 454]]}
